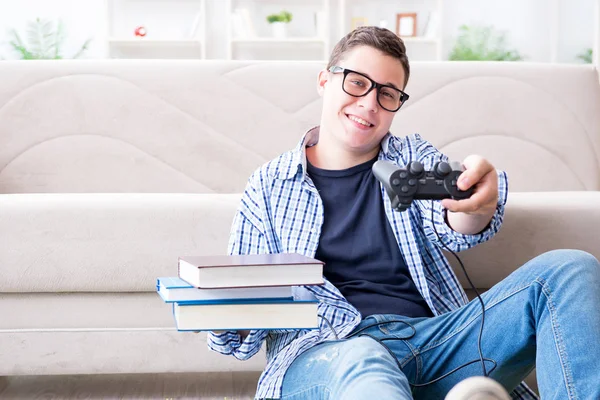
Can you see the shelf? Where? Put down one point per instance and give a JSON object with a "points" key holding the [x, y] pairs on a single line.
{"points": [[155, 42], [419, 39], [277, 40]]}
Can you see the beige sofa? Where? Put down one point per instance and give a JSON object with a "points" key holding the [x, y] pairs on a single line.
{"points": [[109, 170]]}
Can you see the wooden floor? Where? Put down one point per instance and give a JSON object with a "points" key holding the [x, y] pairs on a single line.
{"points": [[209, 386]]}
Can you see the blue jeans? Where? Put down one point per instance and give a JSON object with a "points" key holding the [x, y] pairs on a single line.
{"points": [[545, 314]]}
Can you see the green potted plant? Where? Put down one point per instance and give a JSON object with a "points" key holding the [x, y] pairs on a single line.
{"points": [[586, 56], [45, 41], [279, 23], [482, 43]]}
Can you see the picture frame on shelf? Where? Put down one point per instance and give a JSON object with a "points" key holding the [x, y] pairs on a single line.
{"points": [[406, 24], [358, 21]]}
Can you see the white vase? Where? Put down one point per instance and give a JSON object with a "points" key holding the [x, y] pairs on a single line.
{"points": [[279, 30]]}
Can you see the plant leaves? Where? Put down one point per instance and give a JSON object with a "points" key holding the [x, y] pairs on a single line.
{"points": [[482, 43], [44, 41]]}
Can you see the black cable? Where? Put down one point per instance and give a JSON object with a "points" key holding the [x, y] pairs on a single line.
{"points": [[414, 331], [485, 373], [330, 327]]}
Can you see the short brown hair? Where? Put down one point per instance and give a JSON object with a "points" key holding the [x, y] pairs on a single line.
{"points": [[381, 39]]}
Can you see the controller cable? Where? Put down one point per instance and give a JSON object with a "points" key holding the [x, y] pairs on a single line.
{"points": [[414, 331]]}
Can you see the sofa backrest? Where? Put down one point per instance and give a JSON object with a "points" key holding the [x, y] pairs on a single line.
{"points": [[205, 126]]}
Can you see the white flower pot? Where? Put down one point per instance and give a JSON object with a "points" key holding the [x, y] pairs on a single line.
{"points": [[279, 30]]}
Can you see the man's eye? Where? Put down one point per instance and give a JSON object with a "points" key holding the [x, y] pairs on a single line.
{"points": [[358, 83], [389, 95]]}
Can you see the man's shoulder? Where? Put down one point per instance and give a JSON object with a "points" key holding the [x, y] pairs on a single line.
{"points": [[407, 148], [412, 139], [280, 167]]}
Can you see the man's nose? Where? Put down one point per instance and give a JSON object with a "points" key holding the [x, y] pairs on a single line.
{"points": [[369, 101]]}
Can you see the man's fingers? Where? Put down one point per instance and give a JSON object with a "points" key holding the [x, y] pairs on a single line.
{"points": [[467, 205], [470, 177], [472, 204], [476, 168]]}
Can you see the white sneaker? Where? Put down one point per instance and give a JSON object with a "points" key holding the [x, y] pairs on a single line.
{"points": [[478, 388]]}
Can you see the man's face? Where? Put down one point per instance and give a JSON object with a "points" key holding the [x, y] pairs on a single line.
{"points": [[357, 124]]}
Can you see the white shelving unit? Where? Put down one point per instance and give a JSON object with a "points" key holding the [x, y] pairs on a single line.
{"points": [[425, 46], [238, 29], [175, 28], [249, 35]]}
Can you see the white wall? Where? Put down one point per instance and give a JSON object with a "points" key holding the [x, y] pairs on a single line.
{"points": [[529, 24]]}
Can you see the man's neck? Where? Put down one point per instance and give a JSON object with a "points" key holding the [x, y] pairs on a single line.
{"points": [[326, 155]]}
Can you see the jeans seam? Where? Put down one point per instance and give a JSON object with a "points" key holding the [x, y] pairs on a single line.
{"points": [[560, 344], [440, 341], [408, 358]]}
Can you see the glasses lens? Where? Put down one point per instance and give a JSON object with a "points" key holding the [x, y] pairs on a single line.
{"points": [[390, 98], [356, 85]]}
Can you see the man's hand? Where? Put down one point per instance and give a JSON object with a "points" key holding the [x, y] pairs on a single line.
{"points": [[472, 215], [243, 334]]}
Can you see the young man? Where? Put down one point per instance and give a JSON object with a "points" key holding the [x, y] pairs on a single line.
{"points": [[394, 321]]}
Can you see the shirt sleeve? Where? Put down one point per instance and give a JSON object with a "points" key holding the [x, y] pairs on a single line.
{"points": [[246, 237], [433, 215]]}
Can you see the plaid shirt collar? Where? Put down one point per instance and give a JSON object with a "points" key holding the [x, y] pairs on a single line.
{"points": [[295, 162]]}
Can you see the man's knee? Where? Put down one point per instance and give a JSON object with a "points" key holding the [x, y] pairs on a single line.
{"points": [[571, 263], [367, 369]]}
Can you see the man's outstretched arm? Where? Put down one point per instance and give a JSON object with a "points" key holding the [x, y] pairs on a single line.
{"points": [[471, 216]]}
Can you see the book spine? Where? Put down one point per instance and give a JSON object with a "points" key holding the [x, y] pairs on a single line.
{"points": [[258, 300]]}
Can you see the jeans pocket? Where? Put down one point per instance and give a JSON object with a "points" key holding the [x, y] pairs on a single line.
{"points": [[395, 325]]}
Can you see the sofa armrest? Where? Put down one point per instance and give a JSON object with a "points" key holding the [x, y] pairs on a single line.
{"points": [[534, 223]]}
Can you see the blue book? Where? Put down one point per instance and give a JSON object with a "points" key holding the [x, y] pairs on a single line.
{"points": [[173, 289], [292, 314]]}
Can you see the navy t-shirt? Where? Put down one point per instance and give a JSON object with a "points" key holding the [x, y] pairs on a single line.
{"points": [[362, 257]]}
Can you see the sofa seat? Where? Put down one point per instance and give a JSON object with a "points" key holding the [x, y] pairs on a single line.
{"points": [[89, 333]]}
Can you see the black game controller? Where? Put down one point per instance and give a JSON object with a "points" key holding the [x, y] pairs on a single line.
{"points": [[413, 182]]}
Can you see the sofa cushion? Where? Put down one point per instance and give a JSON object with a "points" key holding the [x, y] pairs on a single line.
{"points": [[106, 242], [84, 311], [123, 242], [127, 126]]}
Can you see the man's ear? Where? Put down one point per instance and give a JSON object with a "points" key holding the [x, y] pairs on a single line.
{"points": [[322, 80]]}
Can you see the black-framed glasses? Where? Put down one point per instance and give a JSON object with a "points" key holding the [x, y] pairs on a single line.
{"points": [[359, 85]]}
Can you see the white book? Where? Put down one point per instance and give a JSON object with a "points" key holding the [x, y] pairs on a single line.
{"points": [[281, 269], [243, 316], [173, 289]]}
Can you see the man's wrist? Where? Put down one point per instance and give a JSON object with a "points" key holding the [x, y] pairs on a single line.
{"points": [[468, 224]]}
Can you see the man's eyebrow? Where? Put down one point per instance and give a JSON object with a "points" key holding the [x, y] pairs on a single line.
{"points": [[387, 83]]}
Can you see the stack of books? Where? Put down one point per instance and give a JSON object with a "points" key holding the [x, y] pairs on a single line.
{"points": [[225, 293]]}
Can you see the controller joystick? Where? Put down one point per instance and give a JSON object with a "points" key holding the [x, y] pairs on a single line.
{"points": [[403, 185], [416, 169], [441, 169]]}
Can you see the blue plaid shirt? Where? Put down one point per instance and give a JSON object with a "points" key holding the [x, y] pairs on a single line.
{"points": [[281, 211]]}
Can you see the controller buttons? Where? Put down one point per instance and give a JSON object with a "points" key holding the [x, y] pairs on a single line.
{"points": [[404, 189], [412, 182], [396, 182], [403, 175]]}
